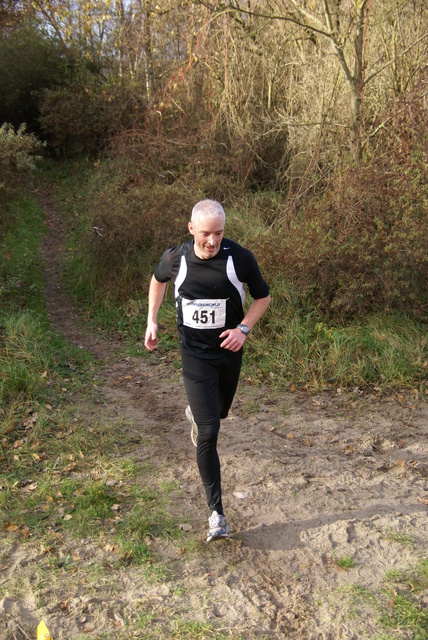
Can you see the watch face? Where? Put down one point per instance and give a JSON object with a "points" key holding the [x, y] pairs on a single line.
{"points": [[244, 328]]}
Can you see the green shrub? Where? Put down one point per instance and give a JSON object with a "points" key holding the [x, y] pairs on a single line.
{"points": [[82, 115], [19, 152]]}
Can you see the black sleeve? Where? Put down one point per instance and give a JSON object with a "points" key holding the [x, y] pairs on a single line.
{"points": [[168, 265], [248, 271]]}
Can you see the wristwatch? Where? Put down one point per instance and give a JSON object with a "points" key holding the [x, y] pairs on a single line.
{"points": [[243, 327]]}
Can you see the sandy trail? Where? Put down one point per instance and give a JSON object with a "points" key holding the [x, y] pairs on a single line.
{"points": [[306, 481]]}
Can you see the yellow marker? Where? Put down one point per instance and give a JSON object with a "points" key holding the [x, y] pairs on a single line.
{"points": [[43, 632]]}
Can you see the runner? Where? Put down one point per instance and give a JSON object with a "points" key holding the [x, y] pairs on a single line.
{"points": [[209, 273]]}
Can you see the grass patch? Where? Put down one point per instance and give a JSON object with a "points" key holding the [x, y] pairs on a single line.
{"points": [[345, 562], [399, 604], [21, 267], [64, 484], [403, 609], [399, 537]]}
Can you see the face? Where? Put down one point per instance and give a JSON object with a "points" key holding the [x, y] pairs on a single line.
{"points": [[208, 233]]}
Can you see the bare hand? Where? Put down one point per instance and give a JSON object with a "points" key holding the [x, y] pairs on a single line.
{"points": [[234, 339], [150, 340]]}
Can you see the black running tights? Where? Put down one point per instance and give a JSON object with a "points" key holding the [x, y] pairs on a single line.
{"points": [[210, 386]]}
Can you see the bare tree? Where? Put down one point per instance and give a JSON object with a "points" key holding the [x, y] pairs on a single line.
{"points": [[346, 26]]}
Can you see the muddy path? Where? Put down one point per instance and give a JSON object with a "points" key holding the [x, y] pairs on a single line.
{"points": [[306, 480]]}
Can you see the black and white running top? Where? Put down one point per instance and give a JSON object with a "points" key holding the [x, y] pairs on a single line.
{"points": [[209, 294]]}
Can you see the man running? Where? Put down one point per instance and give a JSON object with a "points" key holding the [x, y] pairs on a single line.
{"points": [[209, 272]]}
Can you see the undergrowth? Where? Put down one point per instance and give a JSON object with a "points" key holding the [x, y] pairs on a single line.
{"points": [[136, 219]]}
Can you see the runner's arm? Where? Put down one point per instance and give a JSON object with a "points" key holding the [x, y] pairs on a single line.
{"points": [[156, 294], [256, 310], [234, 338]]}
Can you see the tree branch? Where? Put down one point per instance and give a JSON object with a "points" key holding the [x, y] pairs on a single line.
{"points": [[265, 16], [395, 58]]}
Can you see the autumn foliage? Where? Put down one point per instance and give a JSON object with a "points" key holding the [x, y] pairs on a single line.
{"points": [[361, 246]]}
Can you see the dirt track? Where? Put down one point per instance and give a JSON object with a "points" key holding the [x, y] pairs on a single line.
{"points": [[306, 481]]}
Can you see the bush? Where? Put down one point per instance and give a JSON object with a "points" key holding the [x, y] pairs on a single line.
{"points": [[30, 62], [18, 152], [362, 246], [81, 115], [126, 222], [18, 155]]}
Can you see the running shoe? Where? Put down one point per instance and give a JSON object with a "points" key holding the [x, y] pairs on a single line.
{"points": [[218, 527], [194, 427]]}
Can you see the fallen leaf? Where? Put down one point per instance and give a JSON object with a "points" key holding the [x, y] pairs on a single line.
{"points": [[423, 500], [119, 619], [30, 422], [11, 527]]}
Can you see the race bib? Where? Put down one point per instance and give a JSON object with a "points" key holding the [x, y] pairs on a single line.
{"points": [[204, 314]]}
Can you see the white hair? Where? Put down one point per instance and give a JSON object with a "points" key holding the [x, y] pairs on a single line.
{"points": [[207, 208]]}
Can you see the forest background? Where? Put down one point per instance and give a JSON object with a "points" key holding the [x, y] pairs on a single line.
{"points": [[307, 119]]}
